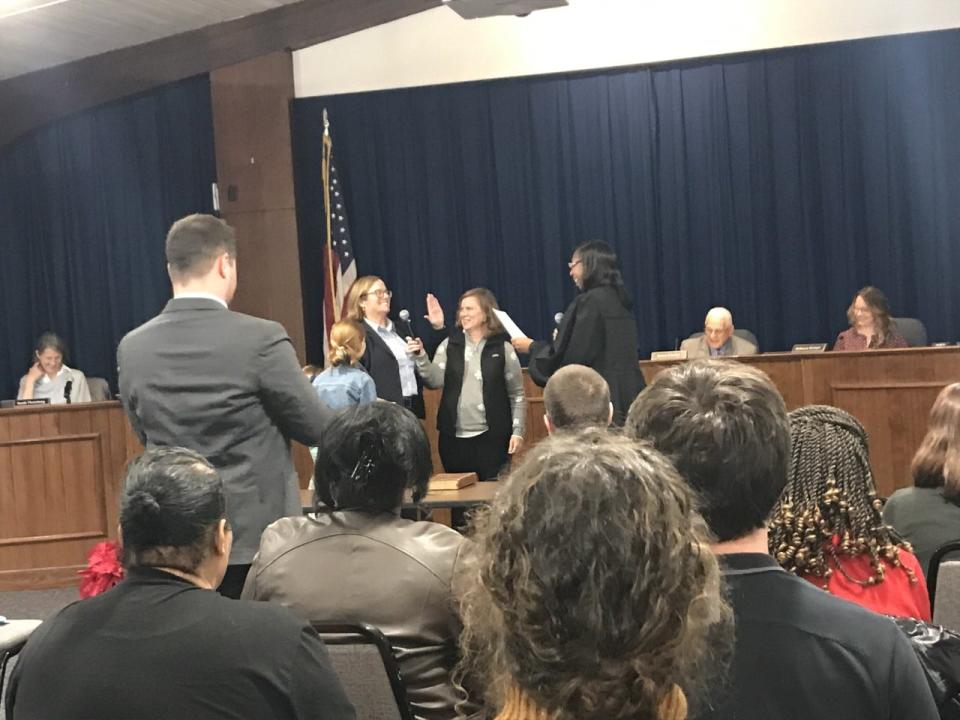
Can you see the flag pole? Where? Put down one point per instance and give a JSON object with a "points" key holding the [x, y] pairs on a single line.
{"points": [[325, 173]]}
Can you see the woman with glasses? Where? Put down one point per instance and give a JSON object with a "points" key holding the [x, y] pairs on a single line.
{"points": [[598, 329], [870, 323], [388, 357]]}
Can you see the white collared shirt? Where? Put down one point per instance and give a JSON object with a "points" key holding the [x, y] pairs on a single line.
{"points": [[398, 346]]}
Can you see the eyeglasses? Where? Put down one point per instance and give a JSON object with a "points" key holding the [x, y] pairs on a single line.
{"points": [[572, 265], [380, 293]]}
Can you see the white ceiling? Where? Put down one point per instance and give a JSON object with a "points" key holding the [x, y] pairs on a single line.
{"points": [[37, 34]]}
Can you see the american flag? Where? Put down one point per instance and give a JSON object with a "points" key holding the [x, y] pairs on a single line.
{"points": [[339, 266]]}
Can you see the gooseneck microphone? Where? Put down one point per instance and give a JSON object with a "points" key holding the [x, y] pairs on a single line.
{"points": [[67, 389], [405, 318]]}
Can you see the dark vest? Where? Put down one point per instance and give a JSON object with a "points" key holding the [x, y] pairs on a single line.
{"points": [[495, 397]]}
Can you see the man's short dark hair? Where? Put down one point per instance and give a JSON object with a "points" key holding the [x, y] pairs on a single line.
{"points": [[195, 241], [576, 397], [725, 427]]}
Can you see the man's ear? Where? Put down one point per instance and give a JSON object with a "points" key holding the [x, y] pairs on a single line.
{"points": [[221, 545], [548, 424]]}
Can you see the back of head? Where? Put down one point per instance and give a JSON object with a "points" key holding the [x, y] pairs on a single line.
{"points": [[171, 506], [830, 503], [369, 455], [937, 461], [194, 242], [601, 267], [589, 588], [346, 343], [724, 426], [575, 397]]}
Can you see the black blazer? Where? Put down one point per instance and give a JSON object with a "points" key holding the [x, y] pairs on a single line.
{"points": [[598, 331], [381, 364]]}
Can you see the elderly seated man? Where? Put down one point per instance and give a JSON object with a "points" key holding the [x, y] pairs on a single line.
{"points": [[718, 339], [576, 397]]}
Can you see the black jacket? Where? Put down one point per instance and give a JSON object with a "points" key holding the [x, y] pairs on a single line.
{"points": [[380, 362], [157, 647], [598, 331]]}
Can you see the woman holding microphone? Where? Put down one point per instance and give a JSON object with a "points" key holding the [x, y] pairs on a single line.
{"points": [[387, 358]]}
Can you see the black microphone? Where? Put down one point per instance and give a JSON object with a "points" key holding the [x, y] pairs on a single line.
{"points": [[405, 318], [68, 386], [676, 343]]}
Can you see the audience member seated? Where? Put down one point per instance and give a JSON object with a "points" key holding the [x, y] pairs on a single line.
{"points": [[163, 644], [576, 397], [827, 526], [49, 378], [870, 325], [928, 514], [343, 384], [717, 339], [800, 653], [591, 593], [355, 560]]}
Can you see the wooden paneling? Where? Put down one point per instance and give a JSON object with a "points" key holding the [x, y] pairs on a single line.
{"points": [[60, 474], [889, 391], [251, 119]]}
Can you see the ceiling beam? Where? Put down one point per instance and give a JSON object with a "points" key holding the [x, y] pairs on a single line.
{"points": [[34, 99]]}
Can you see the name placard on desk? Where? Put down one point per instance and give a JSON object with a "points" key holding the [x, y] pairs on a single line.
{"points": [[809, 348], [20, 403], [668, 355]]}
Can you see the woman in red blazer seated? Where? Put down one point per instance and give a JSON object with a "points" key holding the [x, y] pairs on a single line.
{"points": [[827, 527], [389, 357], [870, 324]]}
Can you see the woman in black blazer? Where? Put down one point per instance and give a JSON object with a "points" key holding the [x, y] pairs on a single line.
{"points": [[389, 357], [598, 329]]}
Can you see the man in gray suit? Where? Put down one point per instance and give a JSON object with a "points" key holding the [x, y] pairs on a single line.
{"points": [[718, 339], [222, 383]]}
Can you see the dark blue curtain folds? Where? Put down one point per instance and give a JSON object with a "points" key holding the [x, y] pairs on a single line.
{"points": [[776, 183], [85, 204]]}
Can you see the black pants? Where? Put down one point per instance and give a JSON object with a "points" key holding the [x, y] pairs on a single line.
{"points": [[484, 454], [233, 581]]}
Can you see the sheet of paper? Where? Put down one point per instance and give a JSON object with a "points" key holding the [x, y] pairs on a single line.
{"points": [[509, 325]]}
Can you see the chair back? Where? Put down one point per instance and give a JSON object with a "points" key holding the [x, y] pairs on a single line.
{"points": [[99, 389], [13, 636], [913, 331], [943, 584], [363, 660]]}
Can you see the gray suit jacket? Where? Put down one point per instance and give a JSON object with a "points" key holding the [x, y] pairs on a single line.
{"points": [[229, 386], [697, 347]]}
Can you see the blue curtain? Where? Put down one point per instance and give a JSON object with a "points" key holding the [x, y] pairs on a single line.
{"points": [[775, 183], [85, 204]]}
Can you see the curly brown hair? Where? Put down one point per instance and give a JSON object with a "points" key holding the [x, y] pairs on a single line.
{"points": [[590, 587], [829, 508]]}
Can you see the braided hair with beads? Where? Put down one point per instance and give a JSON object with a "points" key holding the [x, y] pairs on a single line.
{"points": [[829, 509]]}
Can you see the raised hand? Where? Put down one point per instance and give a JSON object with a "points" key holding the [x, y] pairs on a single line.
{"points": [[434, 312]]}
